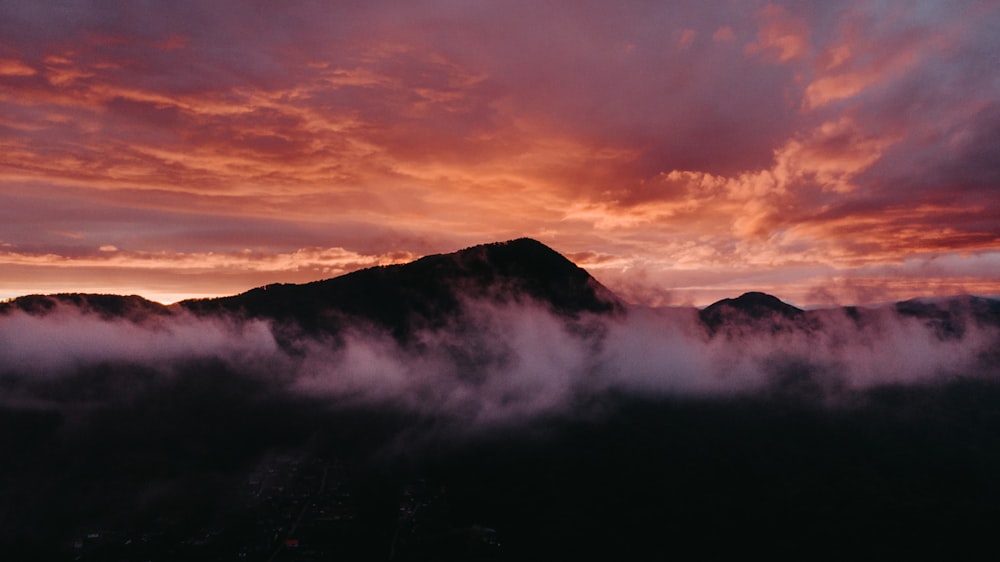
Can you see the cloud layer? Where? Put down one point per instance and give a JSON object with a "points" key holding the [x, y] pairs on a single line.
{"points": [[690, 149], [498, 363]]}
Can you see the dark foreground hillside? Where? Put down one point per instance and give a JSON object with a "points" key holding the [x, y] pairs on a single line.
{"points": [[174, 476], [494, 404]]}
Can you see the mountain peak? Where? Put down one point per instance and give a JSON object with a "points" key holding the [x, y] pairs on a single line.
{"points": [[759, 300], [752, 307], [426, 291]]}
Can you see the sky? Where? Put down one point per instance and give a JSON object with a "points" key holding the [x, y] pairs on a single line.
{"points": [[682, 152]]}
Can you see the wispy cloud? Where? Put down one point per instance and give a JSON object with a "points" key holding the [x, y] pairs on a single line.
{"points": [[497, 363]]}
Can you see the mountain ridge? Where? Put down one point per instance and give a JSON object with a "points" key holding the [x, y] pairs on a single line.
{"points": [[752, 307], [425, 292]]}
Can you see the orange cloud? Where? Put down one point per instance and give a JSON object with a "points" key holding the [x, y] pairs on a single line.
{"points": [[682, 167], [782, 37], [11, 67], [240, 270]]}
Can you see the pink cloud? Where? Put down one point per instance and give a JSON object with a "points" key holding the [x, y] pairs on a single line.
{"points": [[13, 67], [781, 37], [724, 34]]}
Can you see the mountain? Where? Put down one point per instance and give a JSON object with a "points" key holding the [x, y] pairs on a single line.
{"points": [[755, 309], [130, 307], [429, 292], [951, 317], [425, 292]]}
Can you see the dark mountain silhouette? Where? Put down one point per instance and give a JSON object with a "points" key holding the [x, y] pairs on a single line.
{"points": [[425, 292], [950, 317], [130, 307], [754, 309], [428, 292]]}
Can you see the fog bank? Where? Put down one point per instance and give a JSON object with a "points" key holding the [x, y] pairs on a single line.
{"points": [[497, 363]]}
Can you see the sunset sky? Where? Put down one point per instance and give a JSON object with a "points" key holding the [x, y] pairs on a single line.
{"points": [[682, 152]]}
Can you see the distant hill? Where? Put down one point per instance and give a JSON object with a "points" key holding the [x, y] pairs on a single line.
{"points": [[952, 316], [428, 292], [753, 309], [424, 292]]}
